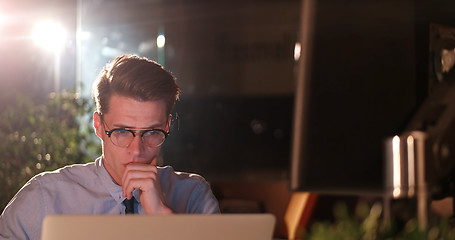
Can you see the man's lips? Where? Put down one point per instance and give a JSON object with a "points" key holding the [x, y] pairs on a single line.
{"points": [[137, 161]]}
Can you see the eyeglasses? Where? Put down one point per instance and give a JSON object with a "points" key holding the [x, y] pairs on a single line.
{"points": [[123, 137]]}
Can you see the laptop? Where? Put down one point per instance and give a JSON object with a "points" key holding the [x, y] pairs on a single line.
{"points": [[178, 226]]}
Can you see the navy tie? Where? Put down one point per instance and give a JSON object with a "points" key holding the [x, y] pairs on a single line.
{"points": [[129, 204]]}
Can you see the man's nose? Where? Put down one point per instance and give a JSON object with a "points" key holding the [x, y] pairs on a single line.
{"points": [[136, 147]]}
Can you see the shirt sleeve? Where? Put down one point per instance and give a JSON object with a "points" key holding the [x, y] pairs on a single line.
{"points": [[187, 193], [23, 216], [202, 200]]}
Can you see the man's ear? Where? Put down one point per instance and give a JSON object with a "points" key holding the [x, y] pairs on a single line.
{"points": [[97, 125]]}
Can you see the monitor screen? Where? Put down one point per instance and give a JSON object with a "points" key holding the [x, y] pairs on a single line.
{"points": [[359, 81]]}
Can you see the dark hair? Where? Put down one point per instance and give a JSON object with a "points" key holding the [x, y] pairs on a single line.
{"points": [[135, 77]]}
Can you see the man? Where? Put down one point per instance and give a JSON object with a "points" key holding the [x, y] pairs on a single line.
{"points": [[134, 97]]}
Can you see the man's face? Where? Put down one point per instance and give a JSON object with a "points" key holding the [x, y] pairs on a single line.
{"points": [[126, 112]]}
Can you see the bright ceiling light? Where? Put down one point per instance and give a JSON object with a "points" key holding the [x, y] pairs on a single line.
{"points": [[49, 35], [160, 41]]}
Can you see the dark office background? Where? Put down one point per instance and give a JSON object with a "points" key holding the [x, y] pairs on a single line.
{"points": [[234, 61]]}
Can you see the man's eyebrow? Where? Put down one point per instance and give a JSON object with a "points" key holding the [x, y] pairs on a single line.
{"points": [[154, 126], [119, 125]]}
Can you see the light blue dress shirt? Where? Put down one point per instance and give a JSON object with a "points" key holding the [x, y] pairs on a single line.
{"points": [[89, 189]]}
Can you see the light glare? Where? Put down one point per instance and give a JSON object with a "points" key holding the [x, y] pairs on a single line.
{"points": [[297, 51], [160, 41], [49, 35], [411, 166], [396, 166]]}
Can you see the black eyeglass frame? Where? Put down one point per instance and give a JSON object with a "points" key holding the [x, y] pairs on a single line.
{"points": [[143, 130]]}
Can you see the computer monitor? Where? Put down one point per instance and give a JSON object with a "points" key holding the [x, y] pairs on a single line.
{"points": [[363, 72]]}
